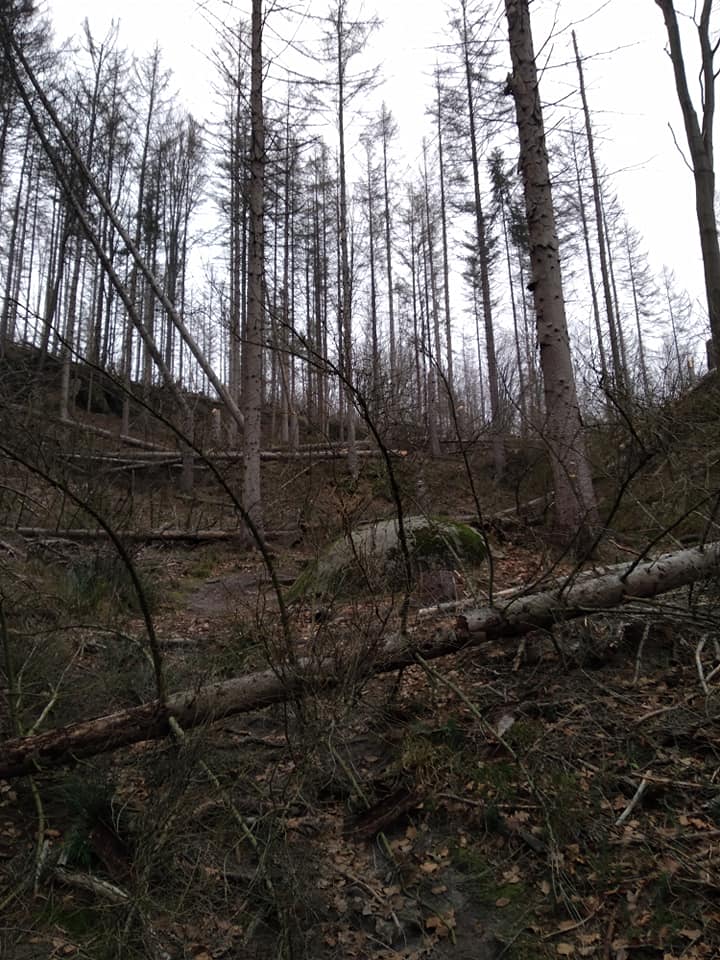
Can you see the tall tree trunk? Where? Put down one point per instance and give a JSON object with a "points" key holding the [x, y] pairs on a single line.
{"points": [[9, 311], [444, 237], [575, 507], [618, 368], [375, 344], [616, 301], [433, 347], [522, 390], [345, 275], [416, 323], [68, 342], [386, 129], [700, 143], [137, 236], [483, 262], [604, 375], [253, 352], [636, 305]]}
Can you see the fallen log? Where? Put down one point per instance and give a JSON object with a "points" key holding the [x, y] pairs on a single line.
{"points": [[149, 536], [134, 536], [321, 445], [225, 698], [154, 458], [587, 594], [145, 445]]}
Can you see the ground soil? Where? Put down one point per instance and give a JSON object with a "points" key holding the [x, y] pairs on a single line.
{"points": [[559, 797]]}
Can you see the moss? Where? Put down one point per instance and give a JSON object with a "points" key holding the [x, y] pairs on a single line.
{"points": [[371, 559], [498, 779], [524, 734], [429, 762], [447, 542], [482, 881]]}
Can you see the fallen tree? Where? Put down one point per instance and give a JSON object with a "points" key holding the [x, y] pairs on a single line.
{"points": [[143, 536], [155, 458], [134, 536], [194, 707]]}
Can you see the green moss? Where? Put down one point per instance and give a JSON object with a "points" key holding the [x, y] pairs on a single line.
{"points": [[524, 734], [446, 542], [371, 559], [570, 810], [498, 779], [486, 889], [427, 760], [100, 582]]}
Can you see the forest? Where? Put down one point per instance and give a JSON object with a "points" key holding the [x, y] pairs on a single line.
{"points": [[359, 537]]}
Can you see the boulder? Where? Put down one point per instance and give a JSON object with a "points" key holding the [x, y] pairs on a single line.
{"points": [[370, 558]]}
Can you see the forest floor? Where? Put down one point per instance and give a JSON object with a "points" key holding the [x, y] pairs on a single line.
{"points": [[555, 797]]}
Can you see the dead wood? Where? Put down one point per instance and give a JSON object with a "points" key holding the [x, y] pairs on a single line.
{"points": [[154, 458], [194, 707], [145, 445], [149, 536], [136, 536], [383, 814], [88, 428]]}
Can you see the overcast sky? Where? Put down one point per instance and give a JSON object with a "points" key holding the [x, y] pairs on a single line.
{"points": [[629, 80]]}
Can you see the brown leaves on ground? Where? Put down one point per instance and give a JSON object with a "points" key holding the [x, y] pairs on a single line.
{"points": [[564, 804]]}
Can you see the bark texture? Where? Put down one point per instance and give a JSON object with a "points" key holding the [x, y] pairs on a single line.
{"points": [[253, 352], [194, 707], [699, 132], [576, 510]]}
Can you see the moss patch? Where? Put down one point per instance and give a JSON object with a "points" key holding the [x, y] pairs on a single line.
{"points": [[371, 559]]}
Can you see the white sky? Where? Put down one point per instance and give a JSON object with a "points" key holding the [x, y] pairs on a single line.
{"points": [[629, 80]]}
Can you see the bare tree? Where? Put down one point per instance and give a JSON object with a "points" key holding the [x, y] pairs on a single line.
{"points": [[575, 506], [619, 373], [699, 133], [253, 352], [346, 38], [482, 239], [388, 129]]}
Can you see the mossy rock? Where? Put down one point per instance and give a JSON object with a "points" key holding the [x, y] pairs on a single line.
{"points": [[370, 559]]}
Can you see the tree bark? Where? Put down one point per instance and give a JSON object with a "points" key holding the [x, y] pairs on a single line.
{"points": [[253, 352], [444, 237], [613, 321], [576, 510], [700, 143], [387, 129], [604, 380], [191, 708], [483, 254]]}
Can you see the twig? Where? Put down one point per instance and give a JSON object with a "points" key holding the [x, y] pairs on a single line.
{"points": [[633, 803], [673, 706], [638, 658], [551, 845], [181, 738], [713, 673], [671, 782], [699, 665], [86, 881], [373, 893], [451, 606], [503, 827], [576, 926]]}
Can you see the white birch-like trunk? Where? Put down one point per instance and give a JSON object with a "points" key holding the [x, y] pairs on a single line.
{"points": [[253, 352], [575, 507]]}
